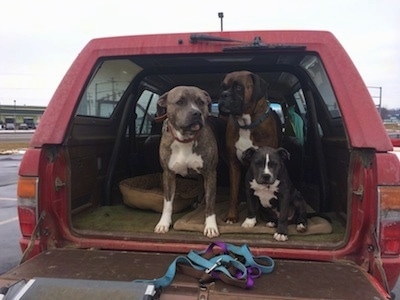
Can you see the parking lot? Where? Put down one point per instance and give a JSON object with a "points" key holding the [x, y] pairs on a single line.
{"points": [[9, 226]]}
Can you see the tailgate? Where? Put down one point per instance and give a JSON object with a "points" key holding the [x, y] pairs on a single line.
{"points": [[289, 280]]}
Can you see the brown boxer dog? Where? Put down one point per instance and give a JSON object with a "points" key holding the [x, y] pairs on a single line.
{"points": [[252, 123]]}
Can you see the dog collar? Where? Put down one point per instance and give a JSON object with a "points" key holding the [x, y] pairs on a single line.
{"points": [[256, 122], [171, 129]]}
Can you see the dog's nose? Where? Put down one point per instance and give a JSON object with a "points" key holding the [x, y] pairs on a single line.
{"points": [[196, 113], [266, 177], [224, 94]]}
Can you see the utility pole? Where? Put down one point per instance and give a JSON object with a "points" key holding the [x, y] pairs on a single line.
{"points": [[15, 114], [221, 16], [379, 97]]}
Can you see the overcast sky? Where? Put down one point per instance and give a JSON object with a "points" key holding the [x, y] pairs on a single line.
{"points": [[39, 39]]}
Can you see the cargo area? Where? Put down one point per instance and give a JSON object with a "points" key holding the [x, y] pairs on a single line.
{"points": [[114, 139]]}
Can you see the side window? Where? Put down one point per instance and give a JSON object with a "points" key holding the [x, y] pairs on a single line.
{"points": [[278, 109], [108, 84], [146, 109], [300, 102], [315, 69]]}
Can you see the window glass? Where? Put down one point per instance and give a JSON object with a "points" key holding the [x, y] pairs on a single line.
{"points": [[146, 109], [315, 69], [278, 109], [300, 102], [106, 88]]}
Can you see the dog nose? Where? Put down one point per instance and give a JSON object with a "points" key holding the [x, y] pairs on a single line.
{"points": [[196, 113], [266, 177], [224, 95]]}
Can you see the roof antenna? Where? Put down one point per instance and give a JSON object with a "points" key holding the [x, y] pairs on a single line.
{"points": [[221, 16]]}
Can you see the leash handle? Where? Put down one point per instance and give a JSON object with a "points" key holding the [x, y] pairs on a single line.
{"points": [[265, 263], [219, 266]]}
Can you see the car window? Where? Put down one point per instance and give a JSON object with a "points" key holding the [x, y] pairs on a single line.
{"points": [[105, 89], [315, 69], [146, 109]]}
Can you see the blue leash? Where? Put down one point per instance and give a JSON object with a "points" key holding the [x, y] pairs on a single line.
{"points": [[247, 266]]}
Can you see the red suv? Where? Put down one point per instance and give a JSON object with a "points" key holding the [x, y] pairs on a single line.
{"points": [[100, 131]]}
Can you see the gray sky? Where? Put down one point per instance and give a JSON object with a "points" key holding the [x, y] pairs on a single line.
{"points": [[39, 39]]}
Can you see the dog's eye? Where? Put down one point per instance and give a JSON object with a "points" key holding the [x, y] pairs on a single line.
{"points": [[272, 164], [259, 163], [179, 102], [201, 102], [238, 88]]}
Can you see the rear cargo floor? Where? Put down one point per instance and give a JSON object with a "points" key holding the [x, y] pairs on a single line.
{"points": [[125, 221]]}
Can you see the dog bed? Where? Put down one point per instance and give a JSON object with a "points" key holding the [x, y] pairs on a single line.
{"points": [[194, 221], [146, 192]]}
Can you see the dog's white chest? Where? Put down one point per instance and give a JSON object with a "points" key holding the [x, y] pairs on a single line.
{"points": [[182, 158], [244, 142], [265, 192]]}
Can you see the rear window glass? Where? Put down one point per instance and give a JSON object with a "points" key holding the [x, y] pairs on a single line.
{"points": [[105, 89]]}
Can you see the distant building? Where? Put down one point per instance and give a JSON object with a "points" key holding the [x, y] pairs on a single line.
{"points": [[17, 115]]}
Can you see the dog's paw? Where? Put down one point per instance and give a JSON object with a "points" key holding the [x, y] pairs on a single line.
{"points": [[271, 224], [211, 232], [280, 237], [231, 218], [249, 223], [166, 218], [301, 227], [162, 227], [211, 228]]}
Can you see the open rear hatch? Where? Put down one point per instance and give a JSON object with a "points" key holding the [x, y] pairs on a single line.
{"points": [[290, 279]]}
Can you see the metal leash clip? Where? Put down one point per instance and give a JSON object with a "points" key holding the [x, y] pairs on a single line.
{"points": [[217, 263]]}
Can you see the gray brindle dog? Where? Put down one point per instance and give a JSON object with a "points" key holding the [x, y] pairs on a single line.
{"points": [[270, 192], [188, 147]]}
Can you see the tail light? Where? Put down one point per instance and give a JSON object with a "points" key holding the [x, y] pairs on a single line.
{"points": [[389, 219], [27, 193]]}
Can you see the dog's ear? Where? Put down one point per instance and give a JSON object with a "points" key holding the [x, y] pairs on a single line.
{"points": [[162, 101], [260, 87], [207, 97], [248, 154], [283, 153], [162, 105]]}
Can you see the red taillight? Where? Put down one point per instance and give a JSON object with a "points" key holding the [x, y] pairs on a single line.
{"points": [[389, 219], [27, 204]]}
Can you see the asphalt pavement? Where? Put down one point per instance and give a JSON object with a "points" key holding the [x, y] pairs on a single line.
{"points": [[9, 226]]}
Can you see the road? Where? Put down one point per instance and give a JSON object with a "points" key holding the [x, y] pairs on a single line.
{"points": [[9, 226], [16, 135]]}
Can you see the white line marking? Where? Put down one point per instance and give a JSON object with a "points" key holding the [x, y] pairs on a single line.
{"points": [[8, 199], [8, 221]]}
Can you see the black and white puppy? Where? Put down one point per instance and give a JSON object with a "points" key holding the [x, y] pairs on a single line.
{"points": [[270, 192]]}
